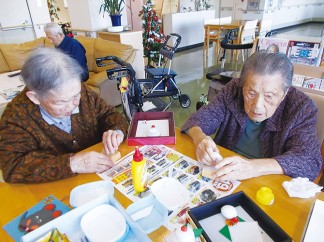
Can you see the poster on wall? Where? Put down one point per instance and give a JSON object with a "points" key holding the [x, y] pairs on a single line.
{"points": [[170, 6], [187, 6]]}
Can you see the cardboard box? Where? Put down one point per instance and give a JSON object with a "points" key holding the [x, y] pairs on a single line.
{"points": [[69, 223], [137, 123], [313, 231], [248, 207]]}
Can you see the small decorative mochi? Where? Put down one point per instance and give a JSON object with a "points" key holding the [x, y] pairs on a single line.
{"points": [[228, 211], [153, 131], [182, 234]]}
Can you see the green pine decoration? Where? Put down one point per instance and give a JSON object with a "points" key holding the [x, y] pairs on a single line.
{"points": [[53, 9], [152, 34], [197, 232]]}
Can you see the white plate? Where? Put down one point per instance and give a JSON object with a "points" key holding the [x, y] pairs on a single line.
{"points": [[89, 191], [103, 223], [170, 192]]}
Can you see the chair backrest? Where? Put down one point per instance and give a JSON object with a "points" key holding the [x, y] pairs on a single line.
{"points": [[226, 20], [319, 100], [248, 32], [265, 27], [211, 21]]}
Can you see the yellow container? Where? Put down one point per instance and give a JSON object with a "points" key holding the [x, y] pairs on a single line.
{"points": [[265, 196], [139, 172]]}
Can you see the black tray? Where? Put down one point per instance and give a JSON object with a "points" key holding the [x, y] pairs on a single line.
{"points": [[238, 199]]}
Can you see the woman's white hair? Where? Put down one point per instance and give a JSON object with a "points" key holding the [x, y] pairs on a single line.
{"points": [[49, 69]]}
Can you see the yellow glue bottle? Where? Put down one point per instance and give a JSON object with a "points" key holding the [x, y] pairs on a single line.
{"points": [[139, 172]]}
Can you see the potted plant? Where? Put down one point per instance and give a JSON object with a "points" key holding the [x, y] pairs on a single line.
{"points": [[113, 8]]}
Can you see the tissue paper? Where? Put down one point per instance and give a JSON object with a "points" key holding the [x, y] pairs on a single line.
{"points": [[301, 187]]}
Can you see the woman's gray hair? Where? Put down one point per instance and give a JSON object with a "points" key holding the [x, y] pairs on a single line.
{"points": [[53, 28], [49, 69], [268, 63]]}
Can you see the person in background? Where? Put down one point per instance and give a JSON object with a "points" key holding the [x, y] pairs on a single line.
{"points": [[68, 45], [44, 129], [263, 118]]}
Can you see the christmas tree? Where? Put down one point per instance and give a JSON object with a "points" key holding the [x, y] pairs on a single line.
{"points": [[152, 34]]}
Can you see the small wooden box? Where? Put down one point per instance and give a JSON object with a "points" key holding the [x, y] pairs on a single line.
{"points": [[132, 140]]}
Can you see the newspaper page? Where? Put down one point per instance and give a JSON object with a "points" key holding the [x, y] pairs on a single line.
{"points": [[162, 161]]}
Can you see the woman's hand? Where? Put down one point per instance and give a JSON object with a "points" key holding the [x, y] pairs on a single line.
{"points": [[206, 149], [238, 168], [111, 140], [207, 152], [234, 168], [90, 162]]}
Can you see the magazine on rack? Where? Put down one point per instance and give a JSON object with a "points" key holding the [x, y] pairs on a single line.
{"points": [[265, 42], [162, 161], [306, 53]]}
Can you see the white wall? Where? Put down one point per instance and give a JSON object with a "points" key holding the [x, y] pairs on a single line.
{"points": [[40, 15], [14, 15], [190, 26], [84, 15], [284, 13]]}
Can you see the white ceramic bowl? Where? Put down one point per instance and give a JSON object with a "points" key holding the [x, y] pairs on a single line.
{"points": [[103, 223], [89, 191]]}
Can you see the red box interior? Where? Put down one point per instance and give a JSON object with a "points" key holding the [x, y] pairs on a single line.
{"points": [[160, 140]]}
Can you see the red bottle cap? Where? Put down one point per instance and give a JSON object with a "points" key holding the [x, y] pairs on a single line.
{"points": [[138, 156]]}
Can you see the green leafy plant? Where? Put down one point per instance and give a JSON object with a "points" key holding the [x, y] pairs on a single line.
{"points": [[112, 7]]}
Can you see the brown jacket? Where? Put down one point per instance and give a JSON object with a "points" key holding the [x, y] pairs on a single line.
{"points": [[33, 151]]}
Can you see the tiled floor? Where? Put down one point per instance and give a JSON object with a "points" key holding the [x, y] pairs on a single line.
{"points": [[192, 68]]}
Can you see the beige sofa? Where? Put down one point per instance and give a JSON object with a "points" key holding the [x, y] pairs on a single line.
{"points": [[12, 57]]}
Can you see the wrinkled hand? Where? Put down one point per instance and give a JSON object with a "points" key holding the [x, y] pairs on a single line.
{"points": [[207, 152], [90, 162], [111, 140], [234, 168]]}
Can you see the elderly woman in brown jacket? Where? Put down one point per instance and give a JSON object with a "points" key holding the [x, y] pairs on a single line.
{"points": [[44, 128]]}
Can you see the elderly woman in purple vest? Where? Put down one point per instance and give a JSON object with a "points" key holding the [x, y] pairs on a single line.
{"points": [[260, 116]]}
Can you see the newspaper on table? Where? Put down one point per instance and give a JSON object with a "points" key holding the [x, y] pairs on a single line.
{"points": [[162, 160]]}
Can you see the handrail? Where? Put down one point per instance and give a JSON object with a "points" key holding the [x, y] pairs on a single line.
{"points": [[15, 27]]}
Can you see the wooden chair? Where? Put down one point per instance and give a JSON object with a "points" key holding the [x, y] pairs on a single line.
{"points": [[264, 27], [247, 35], [225, 20], [319, 101], [240, 40], [211, 35]]}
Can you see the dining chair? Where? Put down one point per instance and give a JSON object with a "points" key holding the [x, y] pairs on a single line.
{"points": [[264, 27], [319, 101], [211, 35], [225, 20], [214, 35], [246, 35]]}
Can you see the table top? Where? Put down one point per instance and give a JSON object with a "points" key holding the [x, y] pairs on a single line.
{"points": [[7, 81], [8, 84], [225, 26], [289, 213]]}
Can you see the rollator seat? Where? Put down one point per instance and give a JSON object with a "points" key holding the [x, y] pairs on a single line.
{"points": [[156, 74], [159, 72]]}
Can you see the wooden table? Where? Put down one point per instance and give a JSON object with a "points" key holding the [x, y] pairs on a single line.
{"points": [[289, 213]]}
